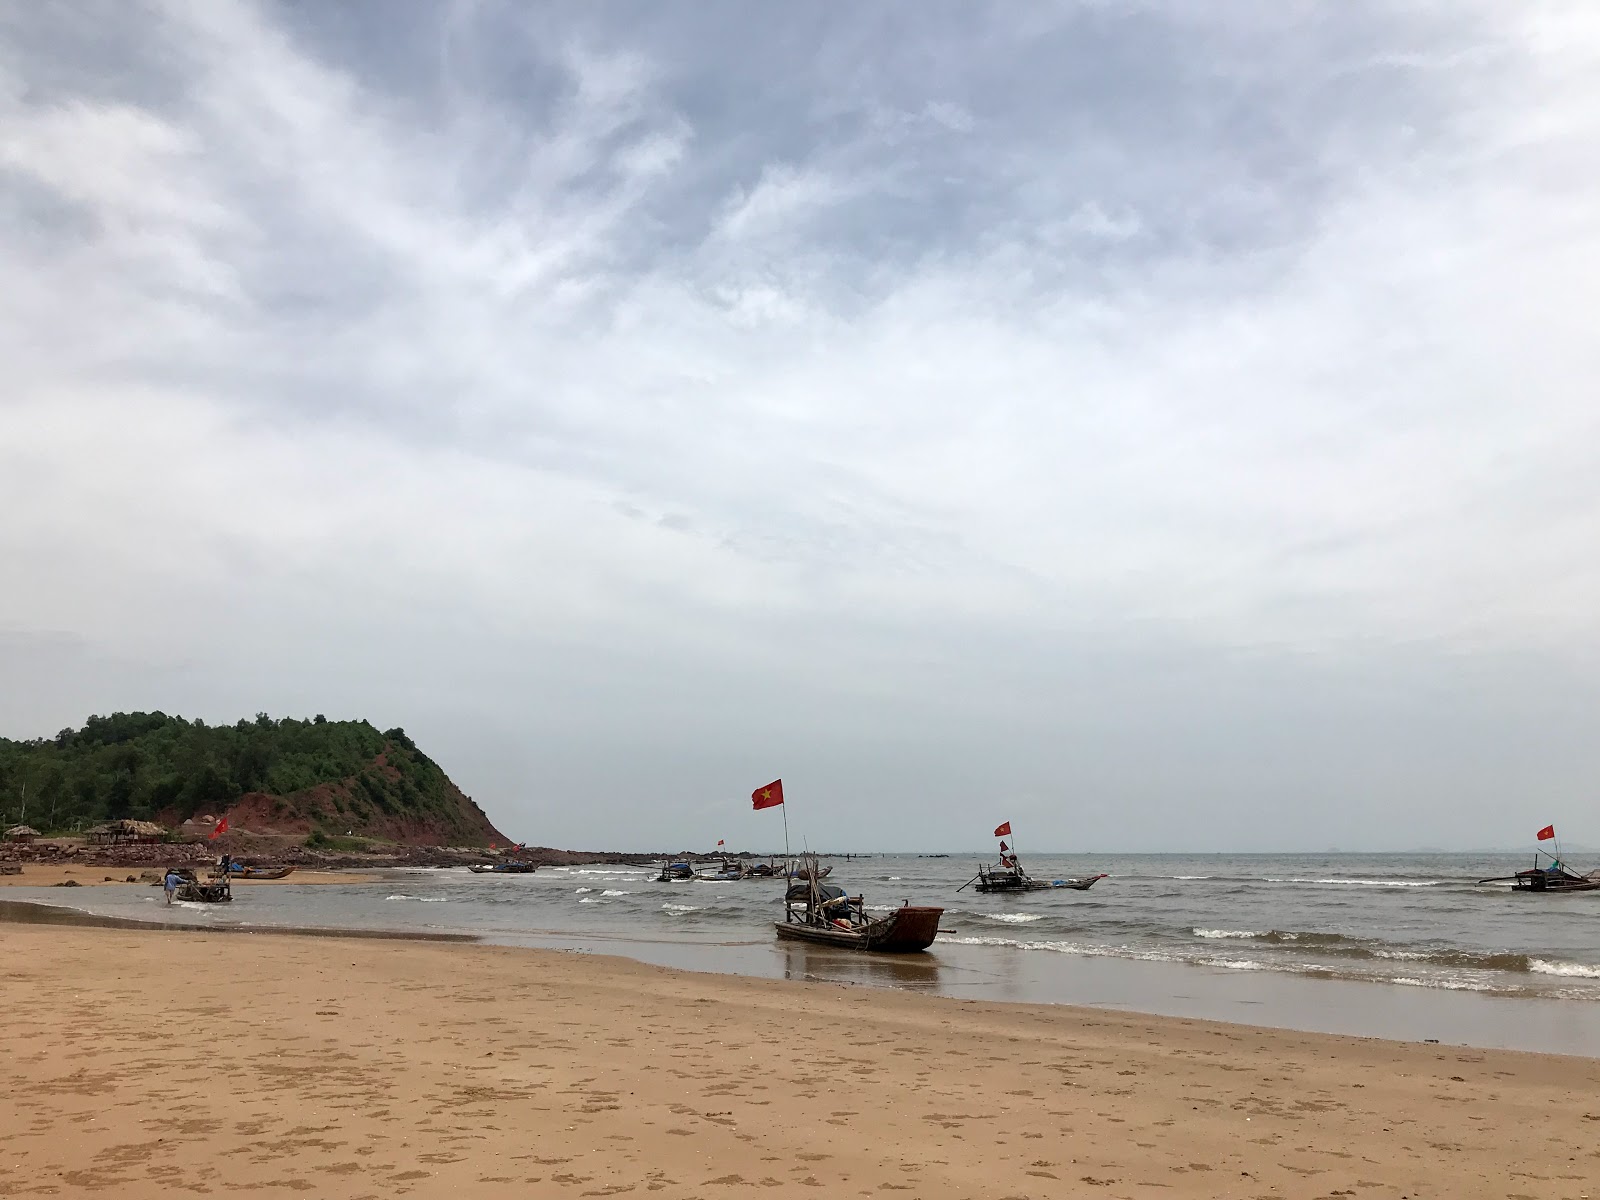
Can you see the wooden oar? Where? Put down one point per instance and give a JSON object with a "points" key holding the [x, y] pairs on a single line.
{"points": [[969, 883]]}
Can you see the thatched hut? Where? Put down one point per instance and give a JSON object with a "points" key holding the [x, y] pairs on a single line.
{"points": [[21, 835], [114, 833]]}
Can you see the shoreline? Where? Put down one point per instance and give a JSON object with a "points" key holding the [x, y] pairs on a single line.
{"points": [[961, 974], [425, 1069], [30, 912]]}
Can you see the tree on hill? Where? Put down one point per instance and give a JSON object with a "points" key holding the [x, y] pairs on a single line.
{"points": [[149, 766]]}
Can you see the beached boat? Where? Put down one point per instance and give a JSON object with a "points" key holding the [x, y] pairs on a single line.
{"points": [[675, 872], [504, 868], [1015, 879], [240, 871], [822, 913]]}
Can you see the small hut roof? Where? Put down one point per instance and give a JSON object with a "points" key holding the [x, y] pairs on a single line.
{"points": [[143, 828], [17, 831]]}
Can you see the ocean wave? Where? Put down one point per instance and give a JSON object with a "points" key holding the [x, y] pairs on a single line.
{"points": [[1571, 970], [676, 909], [1229, 933], [419, 899], [615, 892], [581, 891], [1193, 876], [591, 900], [1013, 918], [1399, 883]]}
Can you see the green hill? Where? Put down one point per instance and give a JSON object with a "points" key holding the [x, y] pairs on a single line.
{"points": [[282, 776]]}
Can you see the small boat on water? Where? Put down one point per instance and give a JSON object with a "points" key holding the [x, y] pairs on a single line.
{"points": [[727, 871], [675, 872], [809, 871], [1015, 879], [1554, 876], [216, 890], [503, 868], [1010, 877], [822, 913]]}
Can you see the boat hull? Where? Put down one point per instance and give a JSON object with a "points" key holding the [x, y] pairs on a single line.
{"points": [[905, 931], [264, 873], [503, 869], [1038, 885]]}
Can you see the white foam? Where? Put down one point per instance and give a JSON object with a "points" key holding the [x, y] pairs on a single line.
{"points": [[614, 892], [1228, 933], [1364, 882], [675, 909], [591, 900], [1013, 918], [581, 891], [1568, 969], [1194, 876]]}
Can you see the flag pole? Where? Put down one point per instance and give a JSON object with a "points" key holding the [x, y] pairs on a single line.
{"points": [[787, 866]]}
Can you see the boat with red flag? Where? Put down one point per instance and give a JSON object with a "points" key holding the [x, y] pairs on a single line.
{"points": [[1552, 876], [825, 914]]}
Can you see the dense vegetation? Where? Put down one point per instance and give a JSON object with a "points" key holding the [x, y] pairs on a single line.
{"points": [[150, 766]]}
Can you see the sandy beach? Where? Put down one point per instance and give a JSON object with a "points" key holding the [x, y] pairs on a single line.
{"points": [[147, 1063]]}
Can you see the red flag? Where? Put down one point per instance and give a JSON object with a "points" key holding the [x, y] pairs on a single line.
{"points": [[1003, 830], [222, 828], [767, 797], [720, 842], [1002, 847], [1548, 832]]}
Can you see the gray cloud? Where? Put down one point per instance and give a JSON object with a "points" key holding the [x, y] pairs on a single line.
{"points": [[1173, 426]]}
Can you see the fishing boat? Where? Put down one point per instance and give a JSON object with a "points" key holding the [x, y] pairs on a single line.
{"points": [[504, 868], [242, 872], [822, 913], [1554, 876], [1015, 879], [1010, 877], [675, 872], [807, 871], [216, 890], [727, 871]]}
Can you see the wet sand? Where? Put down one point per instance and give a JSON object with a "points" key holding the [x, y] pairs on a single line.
{"points": [[147, 1063], [52, 874]]}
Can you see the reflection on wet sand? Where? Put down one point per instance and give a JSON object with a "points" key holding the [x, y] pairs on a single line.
{"points": [[914, 972]]}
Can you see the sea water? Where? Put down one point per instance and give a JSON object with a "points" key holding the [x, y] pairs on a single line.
{"points": [[1270, 939]]}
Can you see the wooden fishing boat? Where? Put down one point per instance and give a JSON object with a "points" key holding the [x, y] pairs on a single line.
{"points": [[505, 868], [824, 914], [728, 871], [242, 872], [810, 871], [1015, 879], [1554, 878], [216, 890], [675, 872]]}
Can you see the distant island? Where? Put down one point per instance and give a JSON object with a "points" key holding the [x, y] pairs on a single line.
{"points": [[331, 783]]}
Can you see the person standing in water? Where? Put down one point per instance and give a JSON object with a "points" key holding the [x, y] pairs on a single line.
{"points": [[170, 882]]}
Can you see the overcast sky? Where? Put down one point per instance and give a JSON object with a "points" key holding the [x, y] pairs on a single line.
{"points": [[1165, 426]]}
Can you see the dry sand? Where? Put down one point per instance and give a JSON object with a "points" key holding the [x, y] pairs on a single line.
{"points": [[51, 874], [145, 1064]]}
